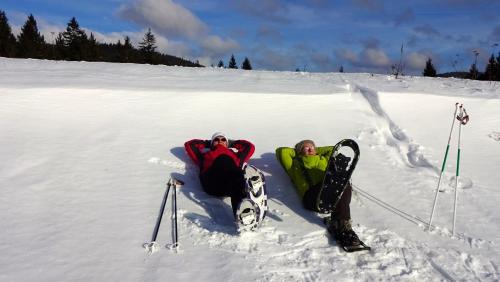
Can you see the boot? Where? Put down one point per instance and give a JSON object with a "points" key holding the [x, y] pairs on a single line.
{"points": [[343, 233]]}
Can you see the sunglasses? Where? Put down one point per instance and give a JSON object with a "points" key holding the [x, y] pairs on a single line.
{"points": [[220, 139]]}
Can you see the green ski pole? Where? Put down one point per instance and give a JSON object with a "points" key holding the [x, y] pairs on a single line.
{"points": [[463, 118], [442, 168]]}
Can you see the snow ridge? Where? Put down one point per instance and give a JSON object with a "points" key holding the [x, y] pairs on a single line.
{"points": [[391, 134]]}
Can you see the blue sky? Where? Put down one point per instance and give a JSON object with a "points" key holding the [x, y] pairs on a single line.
{"points": [[312, 35]]}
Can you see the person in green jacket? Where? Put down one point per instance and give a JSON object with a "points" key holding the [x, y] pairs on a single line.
{"points": [[307, 158]]}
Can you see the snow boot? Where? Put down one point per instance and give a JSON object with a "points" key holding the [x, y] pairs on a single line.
{"points": [[343, 233], [346, 238]]}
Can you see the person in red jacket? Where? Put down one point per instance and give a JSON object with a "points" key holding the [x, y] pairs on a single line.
{"points": [[224, 172]]}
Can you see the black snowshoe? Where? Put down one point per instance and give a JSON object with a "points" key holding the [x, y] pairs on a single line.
{"points": [[338, 173]]}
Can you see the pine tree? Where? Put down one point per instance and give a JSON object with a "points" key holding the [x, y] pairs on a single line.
{"points": [[246, 64], [73, 42], [490, 71], [31, 43], [429, 69], [220, 64], [148, 47], [232, 63], [473, 72], [497, 70], [93, 53], [126, 54], [7, 39]]}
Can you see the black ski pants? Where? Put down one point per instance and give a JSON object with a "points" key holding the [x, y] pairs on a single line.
{"points": [[342, 210], [224, 179]]}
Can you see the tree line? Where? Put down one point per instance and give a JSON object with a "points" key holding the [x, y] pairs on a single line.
{"points": [[246, 65], [73, 44], [491, 71]]}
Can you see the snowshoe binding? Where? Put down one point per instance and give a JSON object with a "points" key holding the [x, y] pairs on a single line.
{"points": [[247, 215]]}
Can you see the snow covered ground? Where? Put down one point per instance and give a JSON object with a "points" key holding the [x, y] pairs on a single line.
{"points": [[87, 148]]}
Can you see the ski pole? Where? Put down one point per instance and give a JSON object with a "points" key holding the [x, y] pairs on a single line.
{"points": [[153, 246], [442, 168], [463, 118], [175, 243], [176, 236]]}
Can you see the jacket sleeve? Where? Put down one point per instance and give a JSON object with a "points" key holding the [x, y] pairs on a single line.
{"points": [[325, 151], [244, 149], [286, 156], [195, 148]]}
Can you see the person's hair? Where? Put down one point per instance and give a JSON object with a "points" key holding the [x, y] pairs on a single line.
{"points": [[299, 146]]}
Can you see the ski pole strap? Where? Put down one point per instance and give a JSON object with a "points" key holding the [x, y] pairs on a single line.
{"points": [[463, 117]]}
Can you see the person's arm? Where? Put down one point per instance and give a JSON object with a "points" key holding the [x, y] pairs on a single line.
{"points": [[194, 149], [244, 149], [325, 151], [285, 156]]}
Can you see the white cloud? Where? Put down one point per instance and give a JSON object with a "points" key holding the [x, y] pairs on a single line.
{"points": [[347, 55], [216, 46], [369, 59], [375, 57], [275, 59], [170, 20], [207, 61], [416, 61], [164, 16]]}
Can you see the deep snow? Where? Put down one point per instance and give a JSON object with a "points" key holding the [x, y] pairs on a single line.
{"points": [[87, 148]]}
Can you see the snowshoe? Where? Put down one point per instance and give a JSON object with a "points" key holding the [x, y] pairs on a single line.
{"points": [[338, 173], [255, 187], [247, 215]]}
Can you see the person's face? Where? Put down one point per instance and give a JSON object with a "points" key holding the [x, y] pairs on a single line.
{"points": [[220, 140], [308, 149]]}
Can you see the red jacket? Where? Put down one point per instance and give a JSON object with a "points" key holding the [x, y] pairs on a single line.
{"points": [[204, 156]]}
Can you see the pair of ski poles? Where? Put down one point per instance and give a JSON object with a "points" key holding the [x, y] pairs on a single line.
{"points": [[463, 118], [153, 246]]}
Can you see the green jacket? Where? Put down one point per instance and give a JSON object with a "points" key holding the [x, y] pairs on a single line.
{"points": [[315, 166]]}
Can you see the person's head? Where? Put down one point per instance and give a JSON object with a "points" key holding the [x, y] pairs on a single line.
{"points": [[219, 138], [305, 148]]}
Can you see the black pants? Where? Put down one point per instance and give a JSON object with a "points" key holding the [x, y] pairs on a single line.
{"points": [[342, 210], [224, 179]]}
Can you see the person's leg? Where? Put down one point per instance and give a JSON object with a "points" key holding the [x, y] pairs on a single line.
{"points": [[310, 198], [341, 225], [224, 179], [342, 210]]}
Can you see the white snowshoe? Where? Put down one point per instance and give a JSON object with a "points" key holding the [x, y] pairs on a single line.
{"points": [[253, 208]]}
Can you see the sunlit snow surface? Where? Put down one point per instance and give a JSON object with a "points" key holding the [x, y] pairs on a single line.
{"points": [[86, 150]]}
